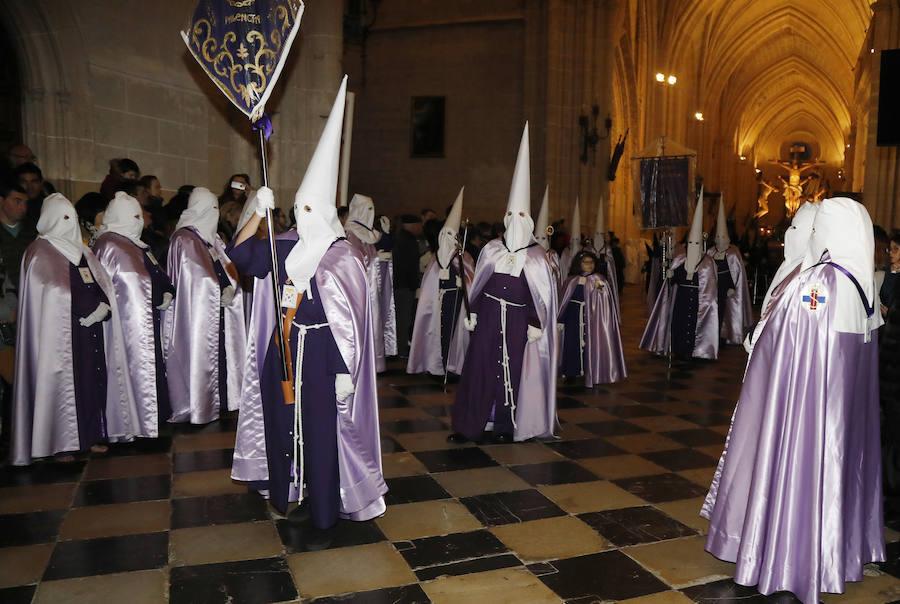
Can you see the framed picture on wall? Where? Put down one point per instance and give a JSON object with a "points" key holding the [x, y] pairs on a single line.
{"points": [[427, 126]]}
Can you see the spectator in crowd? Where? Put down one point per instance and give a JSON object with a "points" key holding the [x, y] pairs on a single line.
{"points": [[20, 154], [90, 210], [119, 170], [236, 190], [406, 278], [30, 178], [342, 213], [229, 213], [428, 214], [16, 230]]}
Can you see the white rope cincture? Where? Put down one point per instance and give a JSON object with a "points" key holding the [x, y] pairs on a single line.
{"points": [[581, 342], [508, 394], [298, 416]]}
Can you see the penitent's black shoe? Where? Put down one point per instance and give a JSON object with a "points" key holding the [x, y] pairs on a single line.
{"points": [[300, 513], [316, 539], [502, 439], [457, 438]]}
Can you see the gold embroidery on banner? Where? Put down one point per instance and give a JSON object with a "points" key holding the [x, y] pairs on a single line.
{"points": [[247, 74]]}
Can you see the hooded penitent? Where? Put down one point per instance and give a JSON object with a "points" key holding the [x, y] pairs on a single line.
{"points": [[68, 394], [735, 309], [722, 238], [801, 469], [695, 240], [361, 219], [141, 286], [604, 255], [569, 254], [599, 238], [202, 213], [543, 233], [439, 339], [513, 289], [331, 445]]}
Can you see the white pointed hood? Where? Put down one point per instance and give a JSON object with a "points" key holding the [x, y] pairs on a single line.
{"points": [[695, 239], [361, 219], [448, 237], [844, 229], [125, 217], [541, 232], [599, 237], [202, 213], [314, 203], [722, 238], [796, 244], [518, 222], [575, 240], [58, 224]]}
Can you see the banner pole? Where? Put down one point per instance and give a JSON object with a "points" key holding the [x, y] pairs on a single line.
{"points": [[276, 292]]}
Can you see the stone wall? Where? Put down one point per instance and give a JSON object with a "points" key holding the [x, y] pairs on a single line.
{"points": [[109, 79]]}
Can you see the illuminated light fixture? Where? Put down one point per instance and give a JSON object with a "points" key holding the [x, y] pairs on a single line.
{"points": [[671, 80], [660, 77], [758, 171], [699, 116], [742, 157], [872, 50], [848, 145]]}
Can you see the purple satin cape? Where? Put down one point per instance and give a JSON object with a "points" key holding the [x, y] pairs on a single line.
{"points": [[536, 407], [235, 332], [558, 276], [341, 282], [425, 347], [796, 498], [706, 340], [738, 309], [190, 331], [124, 262], [605, 362], [370, 262], [385, 281], [44, 419]]}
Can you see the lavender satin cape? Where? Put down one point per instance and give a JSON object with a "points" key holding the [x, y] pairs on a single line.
{"points": [[536, 407], [425, 347], [190, 332], [706, 337], [558, 276], [235, 330], [605, 361], [124, 262], [44, 420], [341, 282], [370, 262], [796, 498], [607, 258], [738, 310], [385, 281]]}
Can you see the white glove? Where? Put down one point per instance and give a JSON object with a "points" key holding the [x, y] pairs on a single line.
{"points": [[384, 255], [100, 313], [385, 224], [469, 321], [747, 345], [534, 333], [265, 200], [167, 301], [670, 273], [343, 386], [730, 293], [227, 296]]}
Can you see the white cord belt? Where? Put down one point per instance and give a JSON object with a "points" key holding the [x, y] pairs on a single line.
{"points": [[580, 333], [298, 417], [508, 395]]}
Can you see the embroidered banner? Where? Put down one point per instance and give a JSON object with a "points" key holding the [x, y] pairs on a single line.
{"points": [[242, 46], [664, 191]]}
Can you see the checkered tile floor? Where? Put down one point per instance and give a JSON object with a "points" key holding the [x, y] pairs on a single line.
{"points": [[607, 512]]}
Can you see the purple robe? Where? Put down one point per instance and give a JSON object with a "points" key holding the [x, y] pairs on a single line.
{"points": [[589, 307], [796, 498], [534, 362], [607, 268], [139, 284], [438, 313], [67, 383], [705, 327], [194, 331], [263, 445], [736, 313]]}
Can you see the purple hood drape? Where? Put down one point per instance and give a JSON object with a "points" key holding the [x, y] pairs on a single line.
{"points": [[536, 407], [706, 339], [796, 498], [738, 309], [425, 347], [605, 361], [44, 420], [124, 262]]}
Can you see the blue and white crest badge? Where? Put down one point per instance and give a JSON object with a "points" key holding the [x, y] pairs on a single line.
{"points": [[814, 297]]}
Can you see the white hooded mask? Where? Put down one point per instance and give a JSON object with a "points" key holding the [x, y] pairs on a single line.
{"points": [[202, 213], [843, 228], [575, 240], [796, 245], [541, 228], [600, 230], [447, 238], [58, 224], [317, 222], [124, 216], [722, 238], [695, 240], [518, 222], [361, 219]]}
